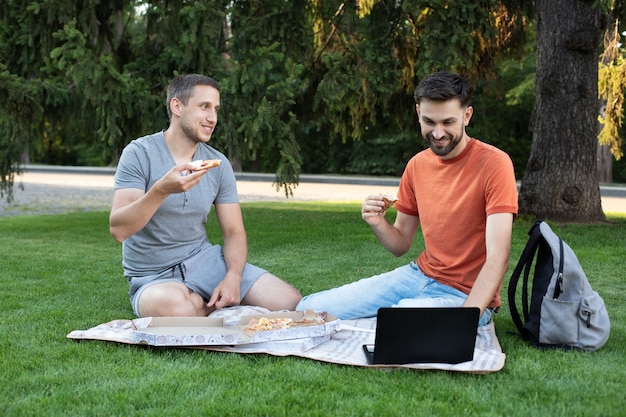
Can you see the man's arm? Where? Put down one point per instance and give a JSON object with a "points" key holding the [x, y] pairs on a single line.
{"points": [[133, 208], [235, 250], [498, 243], [396, 238]]}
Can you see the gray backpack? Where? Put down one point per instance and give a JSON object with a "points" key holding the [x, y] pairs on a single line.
{"points": [[564, 311]]}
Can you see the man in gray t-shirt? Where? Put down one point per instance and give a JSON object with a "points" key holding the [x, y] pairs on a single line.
{"points": [[159, 212]]}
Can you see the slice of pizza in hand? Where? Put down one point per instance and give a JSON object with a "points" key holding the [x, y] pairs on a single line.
{"points": [[205, 164], [389, 201]]}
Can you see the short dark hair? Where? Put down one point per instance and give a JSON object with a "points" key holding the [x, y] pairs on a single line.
{"points": [[182, 86], [443, 86]]}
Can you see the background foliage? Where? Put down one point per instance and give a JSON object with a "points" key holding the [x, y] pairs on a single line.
{"points": [[316, 86]]}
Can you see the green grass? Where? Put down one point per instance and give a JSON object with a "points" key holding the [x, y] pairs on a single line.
{"points": [[62, 272]]}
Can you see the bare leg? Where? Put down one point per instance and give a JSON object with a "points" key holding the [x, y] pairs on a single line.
{"points": [[272, 293], [171, 299]]}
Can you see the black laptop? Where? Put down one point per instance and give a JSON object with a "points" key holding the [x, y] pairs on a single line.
{"points": [[424, 335]]}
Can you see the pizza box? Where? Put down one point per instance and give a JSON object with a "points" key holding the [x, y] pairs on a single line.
{"points": [[305, 324], [184, 331], [211, 331]]}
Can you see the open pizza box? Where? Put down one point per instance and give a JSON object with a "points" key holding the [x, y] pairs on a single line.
{"points": [[288, 331]]}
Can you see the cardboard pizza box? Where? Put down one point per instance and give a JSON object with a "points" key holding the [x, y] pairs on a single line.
{"points": [[305, 324], [184, 331], [309, 329]]}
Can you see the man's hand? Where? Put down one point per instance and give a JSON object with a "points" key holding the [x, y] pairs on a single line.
{"points": [[227, 292], [133, 208], [179, 179], [397, 237], [372, 209]]}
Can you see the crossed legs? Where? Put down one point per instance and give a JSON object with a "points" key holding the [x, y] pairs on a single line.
{"points": [[174, 299]]}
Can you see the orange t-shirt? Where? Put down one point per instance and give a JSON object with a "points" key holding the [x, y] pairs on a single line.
{"points": [[452, 199]]}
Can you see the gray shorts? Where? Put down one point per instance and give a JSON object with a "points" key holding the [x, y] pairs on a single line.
{"points": [[201, 273]]}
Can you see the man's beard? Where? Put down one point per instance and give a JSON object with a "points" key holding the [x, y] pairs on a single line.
{"points": [[191, 133], [452, 142]]}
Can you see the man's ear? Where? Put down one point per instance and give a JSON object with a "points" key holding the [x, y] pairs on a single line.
{"points": [[175, 106], [417, 109], [467, 116]]}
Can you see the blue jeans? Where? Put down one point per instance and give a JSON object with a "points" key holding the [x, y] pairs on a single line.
{"points": [[406, 286]]}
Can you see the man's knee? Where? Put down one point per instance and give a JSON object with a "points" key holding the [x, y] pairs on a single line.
{"points": [[170, 300], [272, 293]]}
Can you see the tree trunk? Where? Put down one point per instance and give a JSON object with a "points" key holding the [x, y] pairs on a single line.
{"points": [[561, 179], [604, 155], [605, 164]]}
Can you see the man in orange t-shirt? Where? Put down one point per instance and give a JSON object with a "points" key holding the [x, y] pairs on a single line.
{"points": [[462, 194]]}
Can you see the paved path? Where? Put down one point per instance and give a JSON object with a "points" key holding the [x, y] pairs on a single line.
{"points": [[66, 191]]}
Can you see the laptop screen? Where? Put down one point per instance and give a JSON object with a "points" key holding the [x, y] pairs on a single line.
{"points": [[424, 335]]}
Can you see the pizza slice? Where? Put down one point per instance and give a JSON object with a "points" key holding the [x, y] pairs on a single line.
{"points": [[266, 323], [205, 164], [389, 200]]}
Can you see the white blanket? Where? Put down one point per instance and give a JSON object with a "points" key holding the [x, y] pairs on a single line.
{"points": [[344, 347]]}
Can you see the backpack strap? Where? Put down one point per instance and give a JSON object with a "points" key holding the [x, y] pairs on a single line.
{"points": [[558, 288], [525, 280], [524, 264]]}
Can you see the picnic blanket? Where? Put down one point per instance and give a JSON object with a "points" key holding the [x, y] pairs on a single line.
{"points": [[344, 347]]}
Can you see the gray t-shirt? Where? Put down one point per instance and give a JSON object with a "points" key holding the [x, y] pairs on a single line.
{"points": [[178, 228]]}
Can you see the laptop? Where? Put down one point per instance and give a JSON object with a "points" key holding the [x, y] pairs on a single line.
{"points": [[424, 335]]}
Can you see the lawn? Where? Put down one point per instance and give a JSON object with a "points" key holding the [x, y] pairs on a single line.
{"points": [[62, 272]]}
